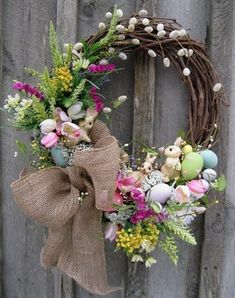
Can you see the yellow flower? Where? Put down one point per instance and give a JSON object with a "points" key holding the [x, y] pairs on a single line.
{"points": [[142, 236], [62, 79]]}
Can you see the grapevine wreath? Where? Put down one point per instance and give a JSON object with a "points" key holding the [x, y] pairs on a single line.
{"points": [[81, 174]]}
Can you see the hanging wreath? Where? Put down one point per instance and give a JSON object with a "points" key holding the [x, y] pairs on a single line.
{"points": [[79, 172]]}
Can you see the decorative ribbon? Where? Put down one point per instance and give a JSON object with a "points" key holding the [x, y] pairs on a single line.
{"points": [[51, 197]]}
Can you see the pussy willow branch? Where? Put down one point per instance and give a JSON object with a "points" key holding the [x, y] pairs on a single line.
{"points": [[204, 104]]}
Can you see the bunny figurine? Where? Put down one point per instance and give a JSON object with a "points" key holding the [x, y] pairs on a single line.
{"points": [[87, 123], [172, 166], [145, 169]]}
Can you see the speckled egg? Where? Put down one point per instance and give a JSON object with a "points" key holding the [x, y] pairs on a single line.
{"points": [[58, 157], [210, 159], [192, 165], [160, 193], [187, 149], [209, 174]]}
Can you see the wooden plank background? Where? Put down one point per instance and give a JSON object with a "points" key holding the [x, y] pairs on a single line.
{"points": [[156, 95]]}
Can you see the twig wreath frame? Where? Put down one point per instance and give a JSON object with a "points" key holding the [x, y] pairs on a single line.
{"points": [[81, 174], [166, 39]]}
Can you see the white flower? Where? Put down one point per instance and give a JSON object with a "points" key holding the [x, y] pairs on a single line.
{"points": [[121, 37], [148, 29], [107, 110], [66, 46], [119, 13], [190, 52], [120, 28], [143, 13], [174, 34], [145, 22], [186, 72], [78, 46], [161, 33], [150, 261], [182, 52], [122, 56], [12, 102], [217, 87], [160, 27], [26, 102], [65, 56], [166, 62], [122, 98], [74, 52], [15, 154], [135, 41], [75, 111], [136, 258], [147, 246], [47, 126], [108, 15], [133, 21], [131, 28], [111, 50], [102, 26], [152, 53], [103, 62], [182, 33]]}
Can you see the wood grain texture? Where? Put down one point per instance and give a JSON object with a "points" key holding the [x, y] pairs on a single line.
{"points": [[1, 52], [217, 266], [159, 101], [25, 44]]}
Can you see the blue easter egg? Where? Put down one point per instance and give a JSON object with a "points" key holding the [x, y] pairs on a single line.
{"points": [[210, 159], [58, 157]]}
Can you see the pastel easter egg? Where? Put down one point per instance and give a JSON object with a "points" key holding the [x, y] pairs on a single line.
{"points": [[192, 165], [187, 149], [160, 193], [210, 159], [58, 157], [209, 174]]}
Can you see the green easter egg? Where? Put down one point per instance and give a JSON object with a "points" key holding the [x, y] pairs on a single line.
{"points": [[192, 165]]}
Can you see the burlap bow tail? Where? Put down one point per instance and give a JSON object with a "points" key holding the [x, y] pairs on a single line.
{"points": [[51, 196]]}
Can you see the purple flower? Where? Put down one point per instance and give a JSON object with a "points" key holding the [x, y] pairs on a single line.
{"points": [[101, 68], [99, 105], [162, 216], [137, 194], [141, 215], [31, 90]]}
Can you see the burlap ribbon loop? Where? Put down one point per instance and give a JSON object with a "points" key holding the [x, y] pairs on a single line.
{"points": [[51, 196]]}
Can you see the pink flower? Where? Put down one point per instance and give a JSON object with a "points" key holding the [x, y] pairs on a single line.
{"points": [[141, 215], [99, 105], [60, 117], [31, 90], [198, 187], [118, 198], [137, 194], [182, 193], [71, 130], [50, 140], [101, 68], [126, 184], [110, 231]]}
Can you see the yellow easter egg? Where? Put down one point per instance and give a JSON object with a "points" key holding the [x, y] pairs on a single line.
{"points": [[187, 149]]}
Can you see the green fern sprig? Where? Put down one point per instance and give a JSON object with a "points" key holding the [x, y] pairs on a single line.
{"points": [[169, 246], [67, 102], [181, 231], [54, 48]]}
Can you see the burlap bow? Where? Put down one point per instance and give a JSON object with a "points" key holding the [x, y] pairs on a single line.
{"points": [[51, 196]]}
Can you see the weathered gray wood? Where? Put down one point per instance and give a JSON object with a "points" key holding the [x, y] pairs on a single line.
{"points": [[1, 51], [217, 266], [171, 115], [24, 45]]}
